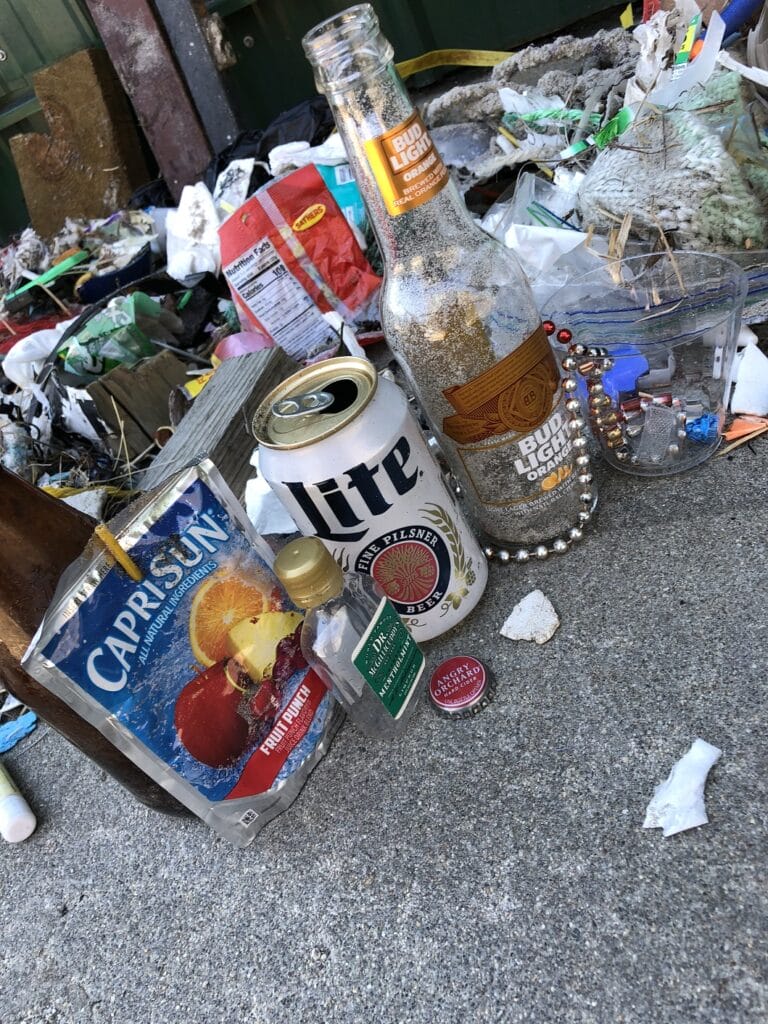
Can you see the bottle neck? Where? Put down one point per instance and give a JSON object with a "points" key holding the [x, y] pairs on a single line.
{"points": [[377, 104]]}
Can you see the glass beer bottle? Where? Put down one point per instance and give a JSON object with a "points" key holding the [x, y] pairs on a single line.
{"points": [[457, 309]]}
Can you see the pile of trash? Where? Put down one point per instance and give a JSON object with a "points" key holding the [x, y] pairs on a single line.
{"points": [[142, 351], [271, 251], [572, 153]]}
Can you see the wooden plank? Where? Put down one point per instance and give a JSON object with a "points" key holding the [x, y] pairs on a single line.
{"points": [[144, 62], [90, 161], [39, 537], [199, 68], [140, 397], [219, 423]]}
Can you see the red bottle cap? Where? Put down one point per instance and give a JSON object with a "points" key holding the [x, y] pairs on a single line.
{"points": [[461, 686]]}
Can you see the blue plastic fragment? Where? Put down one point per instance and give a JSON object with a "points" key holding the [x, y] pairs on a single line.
{"points": [[629, 365], [13, 732], [702, 430]]}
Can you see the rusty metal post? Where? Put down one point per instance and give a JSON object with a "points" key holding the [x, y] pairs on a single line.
{"points": [[145, 65]]}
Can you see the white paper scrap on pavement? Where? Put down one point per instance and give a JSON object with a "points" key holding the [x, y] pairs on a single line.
{"points": [[678, 803], [533, 618]]}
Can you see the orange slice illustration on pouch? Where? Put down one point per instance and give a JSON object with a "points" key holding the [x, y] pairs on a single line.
{"points": [[219, 604]]}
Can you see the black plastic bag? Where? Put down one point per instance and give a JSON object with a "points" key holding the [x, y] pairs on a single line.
{"points": [[310, 121]]}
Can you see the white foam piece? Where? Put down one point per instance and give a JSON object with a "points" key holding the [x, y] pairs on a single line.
{"points": [[17, 821], [750, 395], [533, 618]]}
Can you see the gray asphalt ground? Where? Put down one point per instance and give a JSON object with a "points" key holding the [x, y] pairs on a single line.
{"points": [[491, 870]]}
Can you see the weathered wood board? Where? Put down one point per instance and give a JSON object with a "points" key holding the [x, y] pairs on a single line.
{"points": [[219, 423], [133, 401], [144, 62], [91, 161]]}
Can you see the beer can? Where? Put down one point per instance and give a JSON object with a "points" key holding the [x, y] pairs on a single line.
{"points": [[345, 455]]}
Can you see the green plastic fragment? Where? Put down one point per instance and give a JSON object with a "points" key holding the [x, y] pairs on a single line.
{"points": [[51, 274], [562, 115], [614, 128]]}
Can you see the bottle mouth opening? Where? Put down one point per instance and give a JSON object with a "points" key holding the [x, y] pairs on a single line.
{"points": [[354, 22], [345, 46]]}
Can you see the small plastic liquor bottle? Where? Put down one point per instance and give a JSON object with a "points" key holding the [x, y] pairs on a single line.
{"points": [[353, 638]]}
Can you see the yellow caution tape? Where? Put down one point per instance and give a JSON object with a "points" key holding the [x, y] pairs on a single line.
{"points": [[456, 58]]}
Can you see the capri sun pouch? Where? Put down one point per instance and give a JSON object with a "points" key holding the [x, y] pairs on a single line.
{"points": [[194, 672]]}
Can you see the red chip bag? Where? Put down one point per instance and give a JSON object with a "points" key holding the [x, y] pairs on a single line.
{"points": [[289, 256]]}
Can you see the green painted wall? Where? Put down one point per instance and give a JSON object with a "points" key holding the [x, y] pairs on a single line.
{"points": [[272, 73]]}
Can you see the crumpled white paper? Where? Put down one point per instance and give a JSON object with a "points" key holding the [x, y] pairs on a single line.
{"points": [[678, 803], [299, 154], [193, 235], [231, 188], [263, 507]]}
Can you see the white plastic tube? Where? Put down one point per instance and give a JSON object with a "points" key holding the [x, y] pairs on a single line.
{"points": [[17, 822]]}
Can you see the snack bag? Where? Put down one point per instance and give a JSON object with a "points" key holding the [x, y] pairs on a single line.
{"points": [[121, 333], [344, 189], [289, 256], [195, 671]]}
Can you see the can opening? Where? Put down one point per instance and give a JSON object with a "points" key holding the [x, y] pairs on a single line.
{"points": [[344, 391], [315, 402]]}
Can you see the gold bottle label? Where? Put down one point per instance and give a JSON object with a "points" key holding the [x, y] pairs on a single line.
{"points": [[514, 394], [407, 167]]}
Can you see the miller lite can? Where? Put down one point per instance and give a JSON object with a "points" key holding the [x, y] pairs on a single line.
{"points": [[347, 458]]}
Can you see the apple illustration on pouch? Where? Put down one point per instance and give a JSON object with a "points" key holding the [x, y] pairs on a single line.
{"points": [[207, 719], [233, 704]]}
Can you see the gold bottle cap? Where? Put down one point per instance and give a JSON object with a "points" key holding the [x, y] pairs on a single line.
{"points": [[308, 571]]}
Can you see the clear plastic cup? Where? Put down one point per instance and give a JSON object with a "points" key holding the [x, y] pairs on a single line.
{"points": [[669, 323]]}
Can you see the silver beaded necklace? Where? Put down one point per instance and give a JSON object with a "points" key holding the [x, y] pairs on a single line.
{"points": [[606, 419]]}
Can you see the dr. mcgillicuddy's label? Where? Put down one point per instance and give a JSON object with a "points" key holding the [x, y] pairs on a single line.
{"points": [[388, 659], [407, 167]]}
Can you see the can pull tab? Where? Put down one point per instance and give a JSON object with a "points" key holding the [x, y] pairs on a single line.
{"points": [[300, 405]]}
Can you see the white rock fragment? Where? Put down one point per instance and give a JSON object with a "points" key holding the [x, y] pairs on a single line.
{"points": [[533, 618], [678, 803]]}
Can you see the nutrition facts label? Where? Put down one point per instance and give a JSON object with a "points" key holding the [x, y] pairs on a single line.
{"points": [[276, 298]]}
